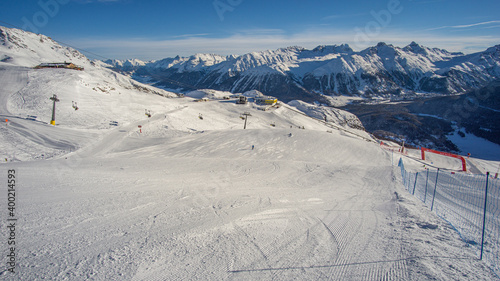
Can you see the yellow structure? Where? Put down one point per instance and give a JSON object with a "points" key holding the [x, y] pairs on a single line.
{"points": [[267, 100], [271, 101]]}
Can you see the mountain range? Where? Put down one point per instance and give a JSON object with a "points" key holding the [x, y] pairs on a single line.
{"points": [[442, 121], [382, 71]]}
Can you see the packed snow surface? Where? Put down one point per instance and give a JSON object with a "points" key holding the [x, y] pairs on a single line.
{"points": [[192, 196]]}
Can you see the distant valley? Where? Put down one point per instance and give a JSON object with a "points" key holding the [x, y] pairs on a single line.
{"points": [[294, 73], [432, 122]]}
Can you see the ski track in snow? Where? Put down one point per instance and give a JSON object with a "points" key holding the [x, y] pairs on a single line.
{"points": [[13, 80]]}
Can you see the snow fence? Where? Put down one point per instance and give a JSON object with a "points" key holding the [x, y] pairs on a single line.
{"points": [[470, 203]]}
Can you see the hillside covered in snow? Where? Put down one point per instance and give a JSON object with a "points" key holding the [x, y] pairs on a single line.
{"points": [[383, 71], [138, 183]]}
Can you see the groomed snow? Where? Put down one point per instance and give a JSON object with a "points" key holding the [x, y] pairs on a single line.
{"points": [[189, 199], [206, 206], [186, 197]]}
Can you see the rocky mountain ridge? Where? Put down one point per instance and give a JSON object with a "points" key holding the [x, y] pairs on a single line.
{"points": [[382, 71]]}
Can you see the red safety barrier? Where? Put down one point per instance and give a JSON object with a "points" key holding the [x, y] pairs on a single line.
{"points": [[464, 164]]}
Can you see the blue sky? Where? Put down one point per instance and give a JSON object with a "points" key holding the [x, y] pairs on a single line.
{"points": [[155, 29]]}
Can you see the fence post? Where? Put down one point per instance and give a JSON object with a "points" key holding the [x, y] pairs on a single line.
{"points": [[484, 214], [435, 187], [415, 185], [408, 180], [403, 170], [426, 183]]}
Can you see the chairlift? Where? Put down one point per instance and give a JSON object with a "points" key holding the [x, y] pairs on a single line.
{"points": [[200, 116], [75, 105]]}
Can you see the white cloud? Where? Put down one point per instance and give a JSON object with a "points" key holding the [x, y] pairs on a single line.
{"points": [[466, 25], [247, 41], [191, 35]]}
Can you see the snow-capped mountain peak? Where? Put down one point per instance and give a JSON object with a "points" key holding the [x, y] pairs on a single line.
{"points": [[22, 51], [382, 71], [23, 48], [340, 49]]}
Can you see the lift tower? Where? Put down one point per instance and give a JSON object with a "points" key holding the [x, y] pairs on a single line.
{"points": [[246, 114], [55, 99]]}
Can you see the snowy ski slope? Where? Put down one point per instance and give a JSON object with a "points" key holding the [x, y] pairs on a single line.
{"points": [[187, 198]]}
